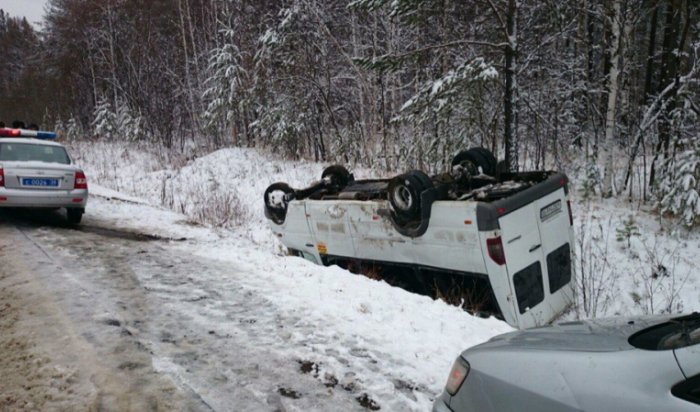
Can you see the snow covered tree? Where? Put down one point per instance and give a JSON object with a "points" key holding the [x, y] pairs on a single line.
{"points": [[116, 123], [591, 179], [127, 125], [59, 127], [678, 187], [677, 183], [627, 230], [74, 130], [436, 103], [280, 130], [383, 83], [105, 120], [614, 17], [225, 94], [299, 66], [510, 96], [486, 33]]}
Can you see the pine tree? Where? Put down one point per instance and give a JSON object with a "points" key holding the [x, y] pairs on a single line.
{"points": [[104, 123], [591, 180], [225, 94], [74, 130], [436, 104], [60, 128], [628, 230], [679, 184], [127, 125]]}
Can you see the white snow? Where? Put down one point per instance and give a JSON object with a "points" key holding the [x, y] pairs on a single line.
{"points": [[127, 213], [393, 335], [386, 339], [109, 194], [402, 336], [657, 273]]}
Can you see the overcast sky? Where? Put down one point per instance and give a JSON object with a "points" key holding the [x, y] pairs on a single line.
{"points": [[33, 10]]}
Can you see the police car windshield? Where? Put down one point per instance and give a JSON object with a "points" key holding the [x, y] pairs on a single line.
{"points": [[26, 152]]}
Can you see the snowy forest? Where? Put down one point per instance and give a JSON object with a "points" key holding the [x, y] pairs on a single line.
{"points": [[607, 90]]}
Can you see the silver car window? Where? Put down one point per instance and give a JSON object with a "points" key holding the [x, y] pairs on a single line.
{"points": [[33, 152]]}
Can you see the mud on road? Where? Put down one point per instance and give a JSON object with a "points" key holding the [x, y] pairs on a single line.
{"points": [[94, 318]]}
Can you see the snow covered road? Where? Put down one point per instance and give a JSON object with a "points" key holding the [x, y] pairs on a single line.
{"points": [[212, 322], [152, 322]]}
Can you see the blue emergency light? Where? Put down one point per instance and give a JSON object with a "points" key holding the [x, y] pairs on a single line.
{"points": [[46, 135], [6, 132]]}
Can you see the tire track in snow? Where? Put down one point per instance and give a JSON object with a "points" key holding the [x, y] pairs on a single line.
{"points": [[149, 311]]}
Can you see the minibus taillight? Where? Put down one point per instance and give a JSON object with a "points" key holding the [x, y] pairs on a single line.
{"points": [[495, 248]]}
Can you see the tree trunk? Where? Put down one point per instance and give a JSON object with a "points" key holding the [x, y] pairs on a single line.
{"points": [[188, 75], [112, 58], [668, 72], [647, 88], [613, 76], [510, 96]]}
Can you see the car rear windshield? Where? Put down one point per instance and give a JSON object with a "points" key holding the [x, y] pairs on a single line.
{"points": [[22, 152], [676, 333]]}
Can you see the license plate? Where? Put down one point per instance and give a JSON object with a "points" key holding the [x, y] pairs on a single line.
{"points": [[550, 210], [40, 182]]}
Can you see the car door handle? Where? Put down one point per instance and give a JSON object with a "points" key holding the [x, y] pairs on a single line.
{"points": [[534, 248], [514, 239]]}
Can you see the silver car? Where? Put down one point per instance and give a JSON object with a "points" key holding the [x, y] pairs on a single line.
{"points": [[639, 364], [37, 173]]}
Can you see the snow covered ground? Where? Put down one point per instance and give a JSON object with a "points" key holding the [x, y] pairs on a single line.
{"points": [[352, 332], [350, 327], [652, 267], [629, 261]]}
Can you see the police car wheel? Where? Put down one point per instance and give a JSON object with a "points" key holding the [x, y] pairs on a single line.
{"points": [[74, 215]]}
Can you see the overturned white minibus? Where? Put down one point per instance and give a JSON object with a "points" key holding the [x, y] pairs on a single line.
{"points": [[496, 243]]}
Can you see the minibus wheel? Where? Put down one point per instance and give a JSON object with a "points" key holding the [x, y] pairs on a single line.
{"points": [[404, 193], [338, 175], [276, 201]]}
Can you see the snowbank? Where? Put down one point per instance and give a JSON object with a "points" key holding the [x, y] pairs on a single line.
{"points": [[405, 343], [359, 334]]}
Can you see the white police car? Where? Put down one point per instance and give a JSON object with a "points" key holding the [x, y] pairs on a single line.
{"points": [[38, 173]]}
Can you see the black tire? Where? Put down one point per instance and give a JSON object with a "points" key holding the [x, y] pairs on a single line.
{"points": [[338, 175], [424, 179], [474, 158], [277, 208], [404, 193], [74, 215], [501, 168], [468, 161], [490, 160]]}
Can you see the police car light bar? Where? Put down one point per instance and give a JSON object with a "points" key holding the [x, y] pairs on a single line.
{"points": [[5, 132]]}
